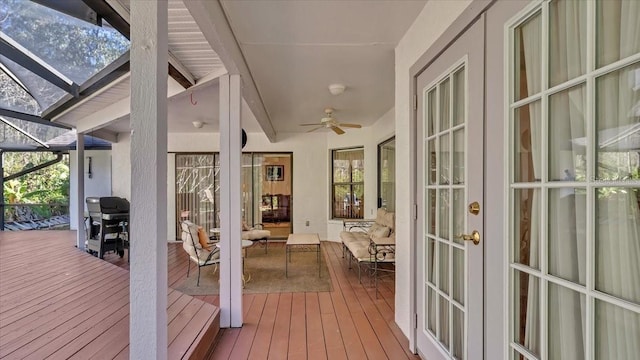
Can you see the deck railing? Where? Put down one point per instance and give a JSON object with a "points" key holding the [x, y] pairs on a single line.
{"points": [[34, 216]]}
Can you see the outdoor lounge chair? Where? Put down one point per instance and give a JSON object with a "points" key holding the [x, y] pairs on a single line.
{"points": [[197, 253]]}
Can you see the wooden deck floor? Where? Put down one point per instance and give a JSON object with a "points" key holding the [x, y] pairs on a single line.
{"points": [[347, 323], [36, 291], [58, 302]]}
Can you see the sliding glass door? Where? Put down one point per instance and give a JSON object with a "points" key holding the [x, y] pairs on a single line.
{"points": [[266, 191]]}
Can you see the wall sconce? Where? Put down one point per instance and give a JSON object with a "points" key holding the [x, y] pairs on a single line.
{"points": [[89, 169]]}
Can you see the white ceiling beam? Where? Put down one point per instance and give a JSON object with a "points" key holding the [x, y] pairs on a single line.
{"points": [[173, 60], [118, 110], [213, 23], [105, 134]]}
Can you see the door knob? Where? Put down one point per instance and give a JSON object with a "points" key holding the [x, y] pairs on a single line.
{"points": [[475, 237]]}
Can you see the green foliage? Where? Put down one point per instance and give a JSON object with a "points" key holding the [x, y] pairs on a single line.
{"points": [[47, 186]]}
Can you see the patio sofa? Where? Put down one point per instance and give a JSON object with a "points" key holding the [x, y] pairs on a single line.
{"points": [[369, 241]]}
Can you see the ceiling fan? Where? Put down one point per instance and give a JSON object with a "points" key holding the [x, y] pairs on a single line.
{"points": [[331, 123]]}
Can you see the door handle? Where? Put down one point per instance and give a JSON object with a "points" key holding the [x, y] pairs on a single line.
{"points": [[475, 237]]}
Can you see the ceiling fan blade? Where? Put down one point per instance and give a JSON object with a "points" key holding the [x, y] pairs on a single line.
{"points": [[314, 129], [347, 125], [337, 130], [316, 124]]}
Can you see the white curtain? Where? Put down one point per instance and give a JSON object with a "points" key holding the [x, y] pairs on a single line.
{"points": [[567, 218], [617, 215]]}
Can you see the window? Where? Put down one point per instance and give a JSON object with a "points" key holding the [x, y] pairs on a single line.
{"points": [[347, 183], [387, 174]]}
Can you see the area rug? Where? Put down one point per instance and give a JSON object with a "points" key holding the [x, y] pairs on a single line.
{"points": [[266, 274]]}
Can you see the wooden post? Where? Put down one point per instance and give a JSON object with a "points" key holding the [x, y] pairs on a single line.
{"points": [[230, 201], [148, 218], [80, 234]]}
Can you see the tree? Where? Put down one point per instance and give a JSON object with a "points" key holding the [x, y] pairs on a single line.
{"points": [[45, 186]]}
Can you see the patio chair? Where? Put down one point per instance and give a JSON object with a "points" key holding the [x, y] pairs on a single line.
{"points": [[195, 249]]}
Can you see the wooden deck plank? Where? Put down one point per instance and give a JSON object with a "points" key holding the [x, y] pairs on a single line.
{"points": [[262, 339], [298, 331], [226, 342], [316, 348], [331, 329], [249, 328], [280, 338]]}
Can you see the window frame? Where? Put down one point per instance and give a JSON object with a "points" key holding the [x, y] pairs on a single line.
{"points": [[349, 183]]}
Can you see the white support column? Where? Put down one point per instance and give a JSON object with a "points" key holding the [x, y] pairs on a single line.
{"points": [[148, 222], [81, 233], [230, 198]]}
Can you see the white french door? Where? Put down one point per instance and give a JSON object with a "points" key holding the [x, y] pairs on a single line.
{"points": [[450, 191], [574, 181]]}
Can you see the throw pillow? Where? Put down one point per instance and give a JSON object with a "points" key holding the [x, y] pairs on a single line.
{"points": [[373, 228], [203, 238], [380, 232], [245, 227]]}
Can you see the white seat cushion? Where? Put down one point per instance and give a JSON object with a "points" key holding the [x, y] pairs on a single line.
{"points": [[256, 234]]}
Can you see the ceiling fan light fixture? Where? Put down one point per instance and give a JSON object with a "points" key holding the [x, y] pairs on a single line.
{"points": [[336, 89]]}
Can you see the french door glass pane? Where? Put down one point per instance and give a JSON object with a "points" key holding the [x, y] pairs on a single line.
{"points": [[527, 311], [568, 42], [567, 234], [432, 98], [617, 247], [617, 118], [526, 230], [528, 61], [431, 311], [567, 131], [458, 275], [431, 260], [445, 175], [567, 324], [459, 108], [459, 152], [445, 111], [443, 230], [444, 321], [432, 159], [457, 349], [617, 331], [443, 261], [528, 143], [430, 224], [459, 215], [617, 33]]}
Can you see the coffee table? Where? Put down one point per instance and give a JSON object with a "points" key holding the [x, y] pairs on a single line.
{"points": [[301, 243]]}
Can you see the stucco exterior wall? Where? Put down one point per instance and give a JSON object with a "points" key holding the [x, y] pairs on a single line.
{"points": [[98, 185], [432, 21]]}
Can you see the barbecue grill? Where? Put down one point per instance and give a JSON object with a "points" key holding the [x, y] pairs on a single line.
{"points": [[108, 225]]}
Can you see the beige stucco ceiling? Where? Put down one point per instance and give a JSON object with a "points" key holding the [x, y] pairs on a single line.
{"points": [[296, 49]]}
